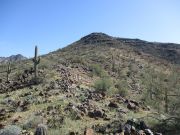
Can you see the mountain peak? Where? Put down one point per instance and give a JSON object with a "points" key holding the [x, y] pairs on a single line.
{"points": [[12, 58], [96, 38]]}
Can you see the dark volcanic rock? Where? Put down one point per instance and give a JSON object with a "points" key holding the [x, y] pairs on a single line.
{"points": [[113, 105]]}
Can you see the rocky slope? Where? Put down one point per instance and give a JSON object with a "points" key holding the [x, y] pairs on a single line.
{"points": [[98, 84], [167, 51]]}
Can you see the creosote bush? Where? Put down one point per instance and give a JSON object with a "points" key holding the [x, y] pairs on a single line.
{"points": [[68, 126], [122, 88], [32, 122], [78, 59], [98, 70], [103, 84]]}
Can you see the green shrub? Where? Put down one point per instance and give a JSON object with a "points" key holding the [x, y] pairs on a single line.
{"points": [[82, 98], [112, 91], [103, 84], [98, 70], [68, 126], [122, 88], [32, 122], [123, 92]]}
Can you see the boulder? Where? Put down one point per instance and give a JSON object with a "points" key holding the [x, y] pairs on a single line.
{"points": [[143, 125], [141, 132], [2, 126], [122, 110], [73, 133], [113, 105], [148, 132], [158, 134], [134, 102], [127, 129], [131, 106], [89, 131], [3, 112], [112, 128], [22, 105], [97, 113]]}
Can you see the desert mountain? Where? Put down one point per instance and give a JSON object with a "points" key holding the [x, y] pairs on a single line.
{"points": [[100, 84], [12, 58], [167, 51]]}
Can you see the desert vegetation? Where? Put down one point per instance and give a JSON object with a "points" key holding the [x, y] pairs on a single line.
{"points": [[97, 85]]}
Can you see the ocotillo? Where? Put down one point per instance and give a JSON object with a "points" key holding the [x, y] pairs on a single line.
{"points": [[36, 61]]}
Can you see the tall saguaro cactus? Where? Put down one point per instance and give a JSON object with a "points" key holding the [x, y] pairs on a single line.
{"points": [[8, 71], [166, 101], [113, 63], [36, 61], [41, 130]]}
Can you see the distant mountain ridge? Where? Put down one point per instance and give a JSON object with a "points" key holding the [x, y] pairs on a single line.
{"points": [[12, 58], [167, 51]]}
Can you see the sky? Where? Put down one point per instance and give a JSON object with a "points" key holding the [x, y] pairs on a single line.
{"points": [[54, 24]]}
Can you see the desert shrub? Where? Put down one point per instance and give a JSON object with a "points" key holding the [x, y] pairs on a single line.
{"points": [[70, 125], [98, 70], [55, 122], [32, 122], [122, 88], [111, 91], [45, 63], [123, 92], [11, 130], [9, 101], [38, 80], [153, 94], [103, 84], [82, 98], [31, 99], [78, 59]]}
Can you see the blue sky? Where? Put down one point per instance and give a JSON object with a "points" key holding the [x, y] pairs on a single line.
{"points": [[53, 24]]}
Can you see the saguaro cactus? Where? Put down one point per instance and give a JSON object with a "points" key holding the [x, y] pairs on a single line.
{"points": [[113, 63], [8, 71], [41, 130], [36, 61], [166, 101]]}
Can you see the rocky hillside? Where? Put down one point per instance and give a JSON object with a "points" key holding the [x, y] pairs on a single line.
{"points": [[12, 58], [167, 51], [97, 85]]}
